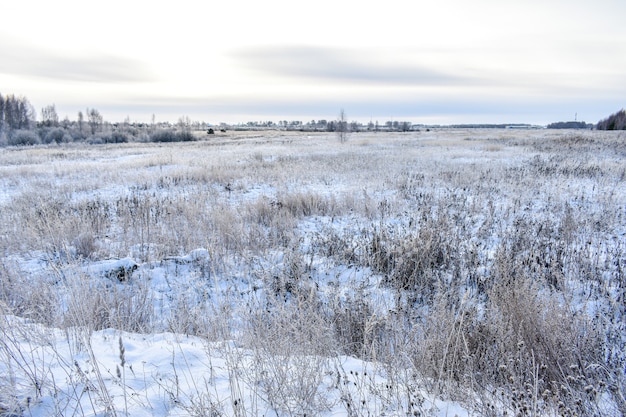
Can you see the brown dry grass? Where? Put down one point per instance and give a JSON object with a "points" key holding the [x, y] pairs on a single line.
{"points": [[496, 255]]}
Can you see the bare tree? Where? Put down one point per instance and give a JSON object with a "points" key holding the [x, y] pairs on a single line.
{"points": [[94, 118], [49, 116], [184, 123], [81, 122], [342, 127], [27, 114], [2, 106], [16, 112]]}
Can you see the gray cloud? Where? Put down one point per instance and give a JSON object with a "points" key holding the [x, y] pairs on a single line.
{"points": [[457, 110], [31, 61], [343, 65], [423, 108]]}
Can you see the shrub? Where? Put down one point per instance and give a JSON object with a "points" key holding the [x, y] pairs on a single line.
{"points": [[305, 204], [185, 136], [24, 137], [163, 136], [56, 135], [95, 140], [28, 295], [85, 245], [116, 137], [356, 326], [172, 136], [77, 135], [97, 305], [290, 345], [412, 262]]}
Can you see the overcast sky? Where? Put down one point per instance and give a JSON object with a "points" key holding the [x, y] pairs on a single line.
{"points": [[480, 61]]}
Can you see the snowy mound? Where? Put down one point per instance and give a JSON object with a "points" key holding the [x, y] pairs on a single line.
{"points": [[119, 269], [197, 255]]}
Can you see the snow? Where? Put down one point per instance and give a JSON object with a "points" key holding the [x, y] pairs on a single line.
{"points": [[109, 372], [196, 255], [206, 289], [116, 268]]}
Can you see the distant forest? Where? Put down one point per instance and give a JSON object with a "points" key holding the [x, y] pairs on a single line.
{"points": [[570, 125], [19, 125]]}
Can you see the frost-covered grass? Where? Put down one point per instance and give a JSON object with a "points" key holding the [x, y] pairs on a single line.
{"points": [[469, 272]]}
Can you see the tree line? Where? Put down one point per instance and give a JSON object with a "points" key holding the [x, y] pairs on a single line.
{"points": [[616, 121], [15, 113], [19, 126]]}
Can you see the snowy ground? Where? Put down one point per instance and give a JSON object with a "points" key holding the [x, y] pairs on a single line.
{"points": [[288, 274], [117, 373]]}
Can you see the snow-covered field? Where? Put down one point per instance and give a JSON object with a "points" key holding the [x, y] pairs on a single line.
{"points": [[444, 272]]}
